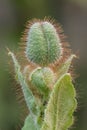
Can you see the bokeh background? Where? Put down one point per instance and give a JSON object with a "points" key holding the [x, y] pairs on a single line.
{"points": [[72, 14]]}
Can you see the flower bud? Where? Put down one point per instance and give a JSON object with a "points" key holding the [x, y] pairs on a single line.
{"points": [[43, 79], [43, 44]]}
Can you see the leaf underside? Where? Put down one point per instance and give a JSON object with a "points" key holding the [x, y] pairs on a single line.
{"points": [[29, 98], [29, 124], [60, 108], [64, 67]]}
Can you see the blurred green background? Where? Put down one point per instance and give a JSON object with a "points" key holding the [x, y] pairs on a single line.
{"points": [[72, 14]]}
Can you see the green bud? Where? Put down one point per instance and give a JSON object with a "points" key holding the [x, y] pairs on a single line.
{"points": [[43, 79], [43, 44]]}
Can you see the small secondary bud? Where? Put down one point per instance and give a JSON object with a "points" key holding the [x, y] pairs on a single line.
{"points": [[43, 79], [43, 44]]}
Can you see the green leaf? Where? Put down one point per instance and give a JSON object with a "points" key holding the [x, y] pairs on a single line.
{"points": [[29, 98], [60, 108], [29, 124], [64, 67]]}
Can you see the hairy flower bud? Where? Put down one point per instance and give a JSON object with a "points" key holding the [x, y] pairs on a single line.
{"points": [[43, 44], [43, 79]]}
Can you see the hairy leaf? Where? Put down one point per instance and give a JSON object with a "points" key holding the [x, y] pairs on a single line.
{"points": [[29, 98], [64, 67], [29, 124], [60, 108]]}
